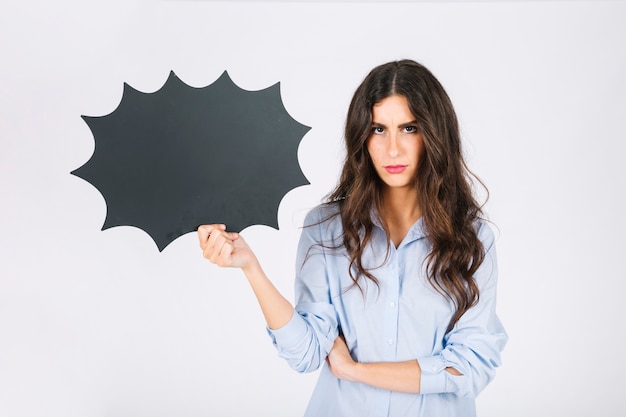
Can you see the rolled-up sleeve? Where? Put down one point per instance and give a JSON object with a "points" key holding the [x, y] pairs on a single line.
{"points": [[474, 345], [308, 337]]}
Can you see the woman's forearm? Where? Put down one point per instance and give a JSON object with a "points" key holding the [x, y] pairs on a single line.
{"points": [[228, 249], [276, 309], [393, 376]]}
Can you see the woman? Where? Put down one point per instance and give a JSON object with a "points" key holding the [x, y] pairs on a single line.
{"points": [[396, 272]]}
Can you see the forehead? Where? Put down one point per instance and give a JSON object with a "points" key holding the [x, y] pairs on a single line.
{"points": [[392, 108]]}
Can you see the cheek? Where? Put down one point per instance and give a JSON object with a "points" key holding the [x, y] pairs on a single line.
{"points": [[419, 148], [374, 150]]}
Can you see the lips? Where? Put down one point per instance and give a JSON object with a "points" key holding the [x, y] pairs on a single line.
{"points": [[395, 169]]}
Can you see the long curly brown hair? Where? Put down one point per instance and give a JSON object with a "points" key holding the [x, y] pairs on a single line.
{"points": [[443, 182]]}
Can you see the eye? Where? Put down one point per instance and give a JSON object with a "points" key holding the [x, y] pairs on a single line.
{"points": [[410, 129], [378, 130]]}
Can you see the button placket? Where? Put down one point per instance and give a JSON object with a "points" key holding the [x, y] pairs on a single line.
{"points": [[391, 308]]}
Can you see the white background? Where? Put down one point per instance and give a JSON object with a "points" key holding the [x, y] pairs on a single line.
{"points": [[99, 323]]}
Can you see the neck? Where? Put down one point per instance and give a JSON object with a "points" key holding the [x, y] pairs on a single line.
{"points": [[401, 209]]}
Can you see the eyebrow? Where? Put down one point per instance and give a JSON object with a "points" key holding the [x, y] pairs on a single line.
{"points": [[402, 126]]}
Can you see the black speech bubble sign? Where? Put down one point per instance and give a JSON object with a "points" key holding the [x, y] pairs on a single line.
{"points": [[169, 161]]}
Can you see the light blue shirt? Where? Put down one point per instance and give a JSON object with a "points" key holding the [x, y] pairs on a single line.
{"points": [[403, 319]]}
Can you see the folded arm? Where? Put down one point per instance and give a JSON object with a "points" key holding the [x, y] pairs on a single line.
{"points": [[466, 362], [394, 376]]}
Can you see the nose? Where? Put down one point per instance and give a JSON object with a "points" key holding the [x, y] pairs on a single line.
{"points": [[393, 149]]}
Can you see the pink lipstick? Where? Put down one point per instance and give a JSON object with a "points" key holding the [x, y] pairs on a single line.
{"points": [[395, 169]]}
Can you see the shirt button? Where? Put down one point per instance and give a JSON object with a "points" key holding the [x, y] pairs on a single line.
{"points": [[390, 342], [434, 369], [392, 304]]}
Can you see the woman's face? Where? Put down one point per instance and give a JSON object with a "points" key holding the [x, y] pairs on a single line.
{"points": [[395, 144]]}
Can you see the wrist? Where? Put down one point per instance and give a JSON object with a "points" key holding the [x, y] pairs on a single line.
{"points": [[350, 371], [252, 268]]}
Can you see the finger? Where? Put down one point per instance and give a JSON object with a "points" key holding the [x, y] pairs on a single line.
{"points": [[221, 251], [217, 241], [224, 257], [203, 234], [216, 235], [204, 231], [211, 245]]}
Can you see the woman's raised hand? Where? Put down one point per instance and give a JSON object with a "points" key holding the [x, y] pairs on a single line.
{"points": [[228, 249], [225, 249]]}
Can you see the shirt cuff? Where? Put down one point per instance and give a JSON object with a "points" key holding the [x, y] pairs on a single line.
{"points": [[434, 377], [291, 334]]}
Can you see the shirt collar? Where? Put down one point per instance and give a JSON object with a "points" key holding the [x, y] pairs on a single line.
{"points": [[417, 231]]}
